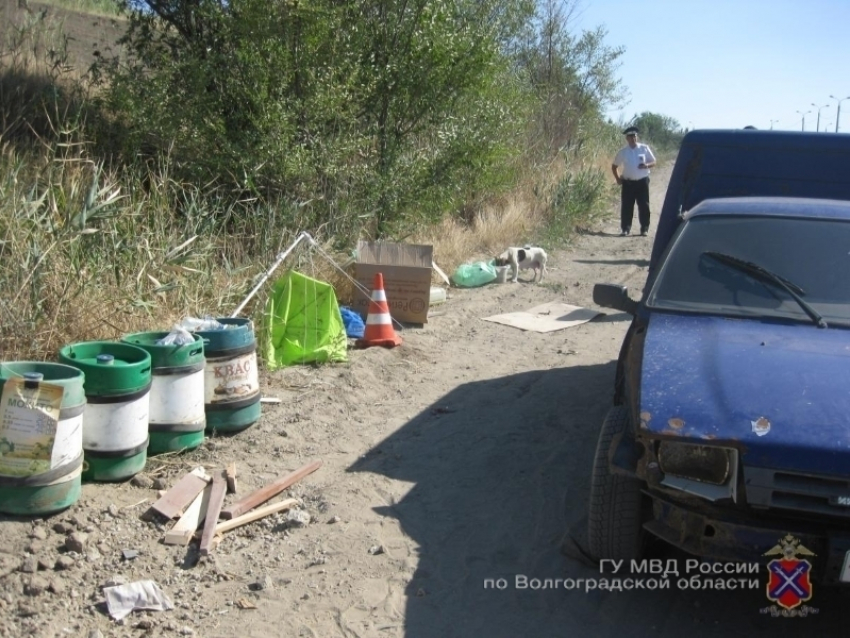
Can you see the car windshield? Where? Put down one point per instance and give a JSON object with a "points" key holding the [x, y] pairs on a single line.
{"points": [[812, 256]]}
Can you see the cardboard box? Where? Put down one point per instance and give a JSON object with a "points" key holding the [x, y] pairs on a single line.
{"points": [[407, 278]]}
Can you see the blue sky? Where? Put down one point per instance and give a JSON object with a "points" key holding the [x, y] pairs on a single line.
{"points": [[729, 63]]}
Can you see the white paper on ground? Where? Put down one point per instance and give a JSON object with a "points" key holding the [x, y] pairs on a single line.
{"points": [[546, 318], [139, 595]]}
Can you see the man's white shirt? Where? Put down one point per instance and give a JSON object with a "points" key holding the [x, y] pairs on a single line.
{"points": [[627, 157]]}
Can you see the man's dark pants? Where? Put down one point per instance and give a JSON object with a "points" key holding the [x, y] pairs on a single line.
{"points": [[634, 191]]}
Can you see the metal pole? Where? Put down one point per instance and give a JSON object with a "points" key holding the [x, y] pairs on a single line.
{"points": [[819, 108], [269, 272], [838, 111]]}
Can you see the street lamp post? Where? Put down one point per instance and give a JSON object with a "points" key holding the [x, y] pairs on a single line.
{"points": [[838, 112], [804, 117], [772, 122], [819, 108]]}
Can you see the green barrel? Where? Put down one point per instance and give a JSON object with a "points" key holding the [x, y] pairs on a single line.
{"points": [[56, 485], [177, 419], [231, 384], [115, 424]]}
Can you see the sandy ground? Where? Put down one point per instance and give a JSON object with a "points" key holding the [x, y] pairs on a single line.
{"points": [[463, 455]]}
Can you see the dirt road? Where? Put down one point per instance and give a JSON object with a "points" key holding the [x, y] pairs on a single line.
{"points": [[459, 459]]}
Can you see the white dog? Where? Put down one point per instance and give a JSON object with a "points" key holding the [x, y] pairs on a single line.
{"points": [[523, 259]]}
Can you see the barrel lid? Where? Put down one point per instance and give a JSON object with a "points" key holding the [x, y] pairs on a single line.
{"points": [[239, 333], [69, 377], [128, 371], [101, 360], [167, 356]]}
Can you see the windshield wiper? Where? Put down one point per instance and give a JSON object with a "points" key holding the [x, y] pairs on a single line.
{"points": [[764, 274]]}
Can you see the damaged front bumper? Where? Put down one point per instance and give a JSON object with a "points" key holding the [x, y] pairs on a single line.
{"points": [[712, 533]]}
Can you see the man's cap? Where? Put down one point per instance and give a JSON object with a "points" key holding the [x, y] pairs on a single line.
{"points": [[632, 130]]}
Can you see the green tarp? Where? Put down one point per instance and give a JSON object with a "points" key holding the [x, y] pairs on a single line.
{"points": [[302, 323]]}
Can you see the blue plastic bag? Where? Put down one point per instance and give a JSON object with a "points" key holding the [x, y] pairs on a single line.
{"points": [[354, 326], [473, 275]]}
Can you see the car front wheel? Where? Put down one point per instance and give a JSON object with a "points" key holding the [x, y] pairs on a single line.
{"points": [[615, 520]]}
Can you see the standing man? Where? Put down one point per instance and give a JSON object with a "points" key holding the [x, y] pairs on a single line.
{"points": [[636, 159]]}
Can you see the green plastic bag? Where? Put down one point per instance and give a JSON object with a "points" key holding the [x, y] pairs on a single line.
{"points": [[473, 275], [302, 323]]}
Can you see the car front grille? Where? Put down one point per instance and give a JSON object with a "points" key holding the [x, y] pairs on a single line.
{"points": [[828, 495]]}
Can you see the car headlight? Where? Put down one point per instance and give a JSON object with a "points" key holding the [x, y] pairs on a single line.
{"points": [[704, 463]]}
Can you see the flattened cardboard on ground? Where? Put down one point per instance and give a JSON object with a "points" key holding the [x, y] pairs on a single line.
{"points": [[407, 278], [547, 318]]}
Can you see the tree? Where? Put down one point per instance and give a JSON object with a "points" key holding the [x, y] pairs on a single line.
{"points": [[661, 130], [572, 76], [378, 108]]}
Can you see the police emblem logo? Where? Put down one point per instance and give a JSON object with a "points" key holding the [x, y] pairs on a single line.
{"points": [[789, 582]]}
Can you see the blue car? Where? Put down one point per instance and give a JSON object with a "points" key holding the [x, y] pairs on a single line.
{"points": [[730, 425]]}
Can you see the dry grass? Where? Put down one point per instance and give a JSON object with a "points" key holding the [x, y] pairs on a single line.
{"points": [[93, 254], [509, 222]]}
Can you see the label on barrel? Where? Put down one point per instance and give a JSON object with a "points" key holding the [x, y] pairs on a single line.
{"points": [[231, 379], [28, 418]]}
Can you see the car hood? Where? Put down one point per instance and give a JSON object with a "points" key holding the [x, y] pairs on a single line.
{"points": [[780, 393]]}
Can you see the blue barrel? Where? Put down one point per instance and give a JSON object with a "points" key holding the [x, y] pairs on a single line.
{"points": [[231, 380], [57, 483]]}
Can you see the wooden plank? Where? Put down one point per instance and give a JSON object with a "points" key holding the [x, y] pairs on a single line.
{"points": [[230, 474], [185, 528], [218, 488], [256, 514], [174, 502], [272, 489]]}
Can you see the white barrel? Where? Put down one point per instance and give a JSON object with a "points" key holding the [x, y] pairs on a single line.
{"points": [[118, 426], [40, 463], [177, 417], [178, 398]]}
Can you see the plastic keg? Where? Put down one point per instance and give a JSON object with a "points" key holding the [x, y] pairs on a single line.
{"points": [[176, 420], [115, 423], [231, 383], [56, 484]]}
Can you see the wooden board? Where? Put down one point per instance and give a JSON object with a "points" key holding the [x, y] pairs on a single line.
{"points": [[250, 517], [272, 489], [217, 491], [174, 502], [185, 528]]}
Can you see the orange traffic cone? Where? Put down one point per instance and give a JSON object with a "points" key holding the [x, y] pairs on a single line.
{"points": [[379, 325]]}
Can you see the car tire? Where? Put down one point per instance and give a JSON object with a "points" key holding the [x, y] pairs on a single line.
{"points": [[616, 511]]}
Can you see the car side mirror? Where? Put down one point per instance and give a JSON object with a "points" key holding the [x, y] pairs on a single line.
{"points": [[614, 296]]}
